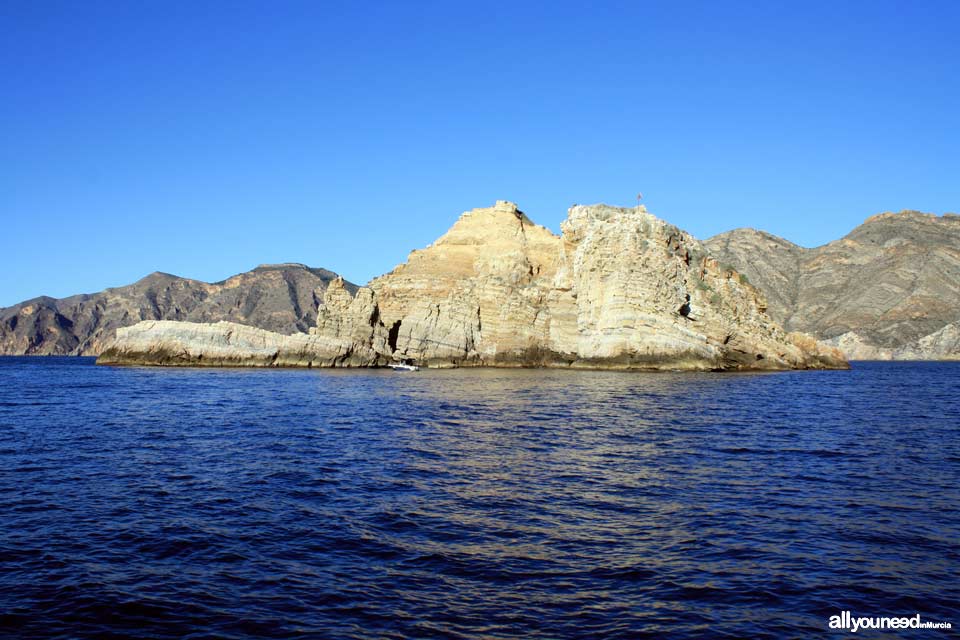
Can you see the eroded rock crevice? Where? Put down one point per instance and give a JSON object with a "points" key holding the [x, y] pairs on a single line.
{"points": [[392, 335]]}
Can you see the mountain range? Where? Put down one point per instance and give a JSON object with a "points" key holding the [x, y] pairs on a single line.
{"points": [[890, 289], [281, 298]]}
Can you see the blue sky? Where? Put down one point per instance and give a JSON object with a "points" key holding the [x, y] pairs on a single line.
{"points": [[204, 138]]}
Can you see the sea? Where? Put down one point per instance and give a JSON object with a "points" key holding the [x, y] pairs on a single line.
{"points": [[475, 503]]}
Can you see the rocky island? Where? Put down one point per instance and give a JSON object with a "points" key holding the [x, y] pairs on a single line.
{"points": [[618, 289]]}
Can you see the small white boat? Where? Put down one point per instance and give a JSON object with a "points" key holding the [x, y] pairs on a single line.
{"points": [[404, 367]]}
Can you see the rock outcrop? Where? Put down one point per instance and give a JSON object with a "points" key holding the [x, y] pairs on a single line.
{"points": [[619, 288], [282, 298], [943, 344], [890, 289], [170, 343], [353, 318]]}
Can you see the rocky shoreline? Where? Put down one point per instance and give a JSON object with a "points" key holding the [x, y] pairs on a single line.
{"points": [[225, 344], [618, 289]]}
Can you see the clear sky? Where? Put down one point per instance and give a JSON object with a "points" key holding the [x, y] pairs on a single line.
{"points": [[204, 138]]}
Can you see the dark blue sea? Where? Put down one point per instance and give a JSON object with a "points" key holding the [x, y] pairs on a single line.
{"points": [[228, 503]]}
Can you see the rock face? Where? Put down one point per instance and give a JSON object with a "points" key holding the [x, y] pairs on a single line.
{"points": [[889, 289], [354, 319], [170, 343], [939, 345], [281, 298], [476, 295], [618, 289]]}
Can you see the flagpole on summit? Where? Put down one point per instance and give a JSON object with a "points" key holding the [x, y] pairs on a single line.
{"points": [[639, 198]]}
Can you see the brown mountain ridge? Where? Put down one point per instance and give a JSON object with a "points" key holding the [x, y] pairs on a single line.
{"points": [[889, 289], [281, 298]]}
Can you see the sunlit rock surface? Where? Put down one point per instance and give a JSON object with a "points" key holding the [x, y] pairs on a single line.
{"points": [[619, 288], [170, 343]]}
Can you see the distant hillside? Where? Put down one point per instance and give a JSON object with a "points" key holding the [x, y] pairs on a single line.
{"points": [[888, 289], [281, 298]]}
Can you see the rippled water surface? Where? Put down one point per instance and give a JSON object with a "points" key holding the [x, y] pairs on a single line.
{"points": [[474, 503]]}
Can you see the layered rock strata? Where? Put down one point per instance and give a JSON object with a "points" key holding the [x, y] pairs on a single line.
{"points": [[619, 288], [943, 344], [220, 344], [890, 289]]}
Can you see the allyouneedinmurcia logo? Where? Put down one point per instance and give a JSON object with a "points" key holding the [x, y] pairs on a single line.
{"points": [[845, 620]]}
